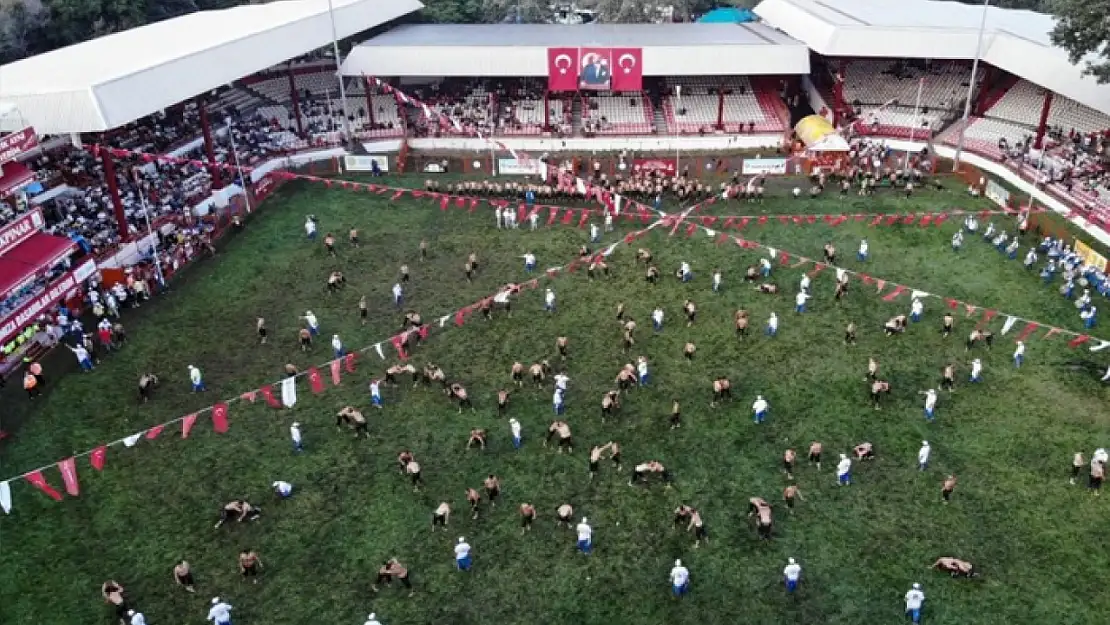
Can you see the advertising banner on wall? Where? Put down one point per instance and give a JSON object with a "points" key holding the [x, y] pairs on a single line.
{"points": [[20, 230], [764, 166], [513, 167], [665, 166], [997, 194], [1089, 256], [57, 291], [352, 162], [17, 143]]}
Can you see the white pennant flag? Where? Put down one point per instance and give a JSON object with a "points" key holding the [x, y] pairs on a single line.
{"points": [[289, 392], [6, 497], [132, 440], [1101, 346], [609, 250], [918, 295], [378, 347], [580, 185], [617, 204], [841, 274], [711, 232], [1009, 325], [443, 320], [773, 252]]}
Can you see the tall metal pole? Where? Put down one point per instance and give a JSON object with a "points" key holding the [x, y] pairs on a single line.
{"points": [[677, 157], [916, 112], [342, 88], [238, 165], [150, 230], [971, 86]]}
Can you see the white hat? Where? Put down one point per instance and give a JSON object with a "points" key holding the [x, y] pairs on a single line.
{"points": [[758, 397], [678, 562], [296, 424], [925, 443], [790, 560], [584, 520], [335, 336], [461, 539], [917, 586], [130, 613], [308, 313]]}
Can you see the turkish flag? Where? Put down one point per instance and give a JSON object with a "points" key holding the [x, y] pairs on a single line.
{"points": [[96, 458], [628, 69], [187, 425], [68, 467], [315, 380], [219, 417], [335, 372], [268, 394], [562, 69], [350, 362], [36, 478]]}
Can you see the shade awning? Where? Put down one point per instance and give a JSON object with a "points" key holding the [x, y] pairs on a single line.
{"points": [[38, 253], [14, 176]]}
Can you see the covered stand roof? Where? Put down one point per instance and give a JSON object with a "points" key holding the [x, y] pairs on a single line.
{"points": [[521, 49], [1013, 40], [111, 81], [38, 253]]}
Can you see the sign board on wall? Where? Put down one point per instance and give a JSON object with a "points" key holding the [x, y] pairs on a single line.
{"points": [[1089, 256], [764, 166], [353, 162], [20, 230], [57, 291], [665, 166], [17, 143], [513, 167], [997, 194]]}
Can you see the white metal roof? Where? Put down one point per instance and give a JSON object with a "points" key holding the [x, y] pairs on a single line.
{"points": [[668, 49], [113, 80], [1015, 41]]}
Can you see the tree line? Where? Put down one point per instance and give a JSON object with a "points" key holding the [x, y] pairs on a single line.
{"points": [[30, 27]]}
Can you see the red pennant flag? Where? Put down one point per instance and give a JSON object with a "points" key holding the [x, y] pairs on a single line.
{"points": [[443, 202], [893, 295], [909, 219], [628, 238], [925, 220], [1052, 332], [743, 222], [953, 304], [728, 223], [691, 229], [460, 202], [990, 314], [349, 361], [249, 396], [939, 219], [187, 425], [812, 219], [336, 378], [153, 432], [460, 318], [396, 196], [877, 220], [36, 478], [784, 258], [721, 238], [396, 341], [1079, 340], [585, 217], [891, 220], [521, 214], [473, 205], [866, 278], [219, 413], [762, 220], [568, 217], [709, 220], [268, 395], [68, 467], [831, 220], [315, 381], [970, 309], [645, 216], [97, 457], [798, 219], [784, 219], [554, 214]]}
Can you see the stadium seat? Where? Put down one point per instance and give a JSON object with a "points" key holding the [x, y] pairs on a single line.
{"points": [[613, 114], [743, 106]]}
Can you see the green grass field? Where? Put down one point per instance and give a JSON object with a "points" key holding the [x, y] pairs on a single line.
{"points": [[1038, 542]]}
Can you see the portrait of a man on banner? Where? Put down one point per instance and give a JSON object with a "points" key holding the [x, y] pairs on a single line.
{"points": [[597, 72]]}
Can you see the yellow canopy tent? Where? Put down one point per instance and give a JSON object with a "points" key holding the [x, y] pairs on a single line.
{"points": [[818, 135]]}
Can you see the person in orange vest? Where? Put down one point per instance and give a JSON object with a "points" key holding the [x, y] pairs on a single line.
{"points": [[31, 385]]}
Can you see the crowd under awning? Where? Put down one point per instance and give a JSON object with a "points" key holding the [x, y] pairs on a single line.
{"points": [[14, 176], [39, 253]]}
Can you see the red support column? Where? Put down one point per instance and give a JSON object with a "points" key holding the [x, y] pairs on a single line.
{"points": [[296, 102], [547, 111], [209, 150], [369, 99], [720, 108], [113, 192], [1042, 126]]}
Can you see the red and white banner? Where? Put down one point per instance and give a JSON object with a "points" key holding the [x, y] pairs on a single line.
{"points": [[628, 70], [17, 143], [264, 187], [20, 230], [60, 289], [666, 166], [562, 69], [595, 69]]}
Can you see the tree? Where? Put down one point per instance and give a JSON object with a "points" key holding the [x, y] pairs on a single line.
{"points": [[1083, 30]]}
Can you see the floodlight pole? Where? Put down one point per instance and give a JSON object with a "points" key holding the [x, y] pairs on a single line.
{"points": [[342, 88], [150, 230], [677, 140], [916, 112], [235, 154], [971, 87]]}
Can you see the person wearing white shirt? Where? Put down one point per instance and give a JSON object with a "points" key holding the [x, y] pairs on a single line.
{"points": [[765, 267], [844, 471], [529, 262], [534, 219], [497, 216], [759, 409], [800, 301], [791, 574], [295, 435], [1030, 258], [608, 221], [1019, 354], [930, 403], [976, 370], [917, 308], [804, 284], [83, 359], [312, 322], [861, 255], [398, 295], [557, 402], [514, 428], [1088, 316], [642, 371], [680, 579], [561, 381], [716, 280], [549, 301], [595, 233], [376, 393], [585, 536], [914, 600], [1100, 457], [310, 227], [772, 325], [220, 612], [372, 620], [462, 555], [657, 319], [282, 489], [136, 618], [196, 379], [337, 346], [923, 456], [684, 272], [957, 241]]}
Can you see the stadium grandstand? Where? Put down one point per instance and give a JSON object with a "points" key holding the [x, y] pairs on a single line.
{"points": [[263, 83]]}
